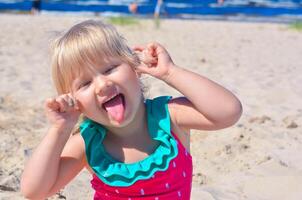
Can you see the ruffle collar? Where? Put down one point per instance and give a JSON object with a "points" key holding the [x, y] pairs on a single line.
{"points": [[115, 173]]}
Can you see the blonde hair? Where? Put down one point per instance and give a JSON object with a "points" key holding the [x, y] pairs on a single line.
{"points": [[85, 46]]}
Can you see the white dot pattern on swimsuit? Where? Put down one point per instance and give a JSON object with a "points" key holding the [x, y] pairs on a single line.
{"points": [[166, 185], [172, 183]]}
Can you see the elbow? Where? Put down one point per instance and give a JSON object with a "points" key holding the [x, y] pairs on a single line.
{"points": [[231, 115], [24, 188], [28, 192], [234, 113], [29, 195]]}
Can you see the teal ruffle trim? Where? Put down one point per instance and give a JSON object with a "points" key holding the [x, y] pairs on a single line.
{"points": [[115, 173]]}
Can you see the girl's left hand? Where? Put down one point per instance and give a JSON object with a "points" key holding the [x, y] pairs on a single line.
{"points": [[155, 61]]}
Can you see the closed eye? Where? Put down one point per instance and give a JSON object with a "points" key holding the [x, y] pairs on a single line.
{"points": [[112, 68], [84, 84]]}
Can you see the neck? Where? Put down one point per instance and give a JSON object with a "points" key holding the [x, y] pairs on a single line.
{"points": [[132, 132]]}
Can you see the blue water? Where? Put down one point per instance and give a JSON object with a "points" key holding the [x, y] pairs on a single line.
{"points": [[269, 8]]}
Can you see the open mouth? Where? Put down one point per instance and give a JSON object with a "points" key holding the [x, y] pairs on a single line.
{"points": [[115, 107], [115, 100]]}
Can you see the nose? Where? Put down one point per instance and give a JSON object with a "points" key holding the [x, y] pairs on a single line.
{"points": [[102, 85]]}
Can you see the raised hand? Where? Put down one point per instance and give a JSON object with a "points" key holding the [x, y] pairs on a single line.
{"points": [[155, 61], [62, 111]]}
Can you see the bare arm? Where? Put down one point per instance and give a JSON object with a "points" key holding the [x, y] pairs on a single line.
{"points": [[48, 168], [51, 167], [205, 105], [72, 161]]}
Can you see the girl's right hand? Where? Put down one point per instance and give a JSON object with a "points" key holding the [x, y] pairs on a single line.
{"points": [[62, 111]]}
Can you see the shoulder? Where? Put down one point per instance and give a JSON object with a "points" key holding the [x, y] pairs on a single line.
{"points": [[185, 115], [175, 107], [183, 133], [166, 107]]}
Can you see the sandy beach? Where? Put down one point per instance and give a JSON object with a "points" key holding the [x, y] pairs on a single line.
{"points": [[259, 158]]}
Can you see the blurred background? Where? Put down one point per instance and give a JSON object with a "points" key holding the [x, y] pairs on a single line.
{"points": [[173, 8], [252, 48]]}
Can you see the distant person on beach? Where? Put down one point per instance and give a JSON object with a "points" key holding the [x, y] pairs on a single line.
{"points": [[220, 2], [36, 6], [159, 9], [134, 148], [133, 7]]}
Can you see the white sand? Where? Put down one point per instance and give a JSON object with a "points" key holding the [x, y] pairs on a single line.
{"points": [[257, 159]]}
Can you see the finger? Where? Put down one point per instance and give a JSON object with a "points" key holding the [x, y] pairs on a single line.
{"points": [[154, 45], [51, 104], [77, 105], [70, 100], [63, 104], [152, 48], [138, 48], [147, 58], [143, 69], [155, 49]]}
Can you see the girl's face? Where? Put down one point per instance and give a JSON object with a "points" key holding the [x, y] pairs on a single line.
{"points": [[110, 94]]}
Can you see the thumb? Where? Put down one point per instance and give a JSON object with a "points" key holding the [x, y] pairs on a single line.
{"points": [[147, 58], [138, 48], [141, 69], [144, 69]]}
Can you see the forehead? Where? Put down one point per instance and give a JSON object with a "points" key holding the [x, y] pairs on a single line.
{"points": [[79, 72]]}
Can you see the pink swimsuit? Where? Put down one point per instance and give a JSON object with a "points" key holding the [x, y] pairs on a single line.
{"points": [[164, 175], [174, 183]]}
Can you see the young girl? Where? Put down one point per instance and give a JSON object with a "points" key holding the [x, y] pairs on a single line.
{"points": [[134, 148]]}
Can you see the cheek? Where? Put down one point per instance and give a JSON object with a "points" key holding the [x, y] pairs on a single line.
{"points": [[133, 85], [84, 98]]}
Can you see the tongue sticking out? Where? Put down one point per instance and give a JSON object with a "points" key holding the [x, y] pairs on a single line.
{"points": [[115, 108]]}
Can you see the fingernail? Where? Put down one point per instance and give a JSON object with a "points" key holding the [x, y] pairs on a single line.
{"points": [[70, 102]]}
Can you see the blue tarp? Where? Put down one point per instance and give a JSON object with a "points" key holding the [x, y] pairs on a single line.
{"points": [[16, 5], [172, 7]]}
